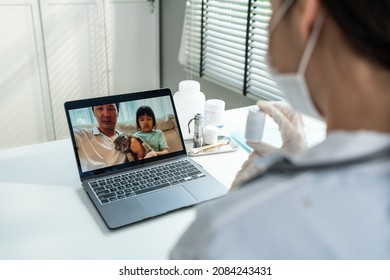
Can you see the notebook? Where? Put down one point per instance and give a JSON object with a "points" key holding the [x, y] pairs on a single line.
{"points": [[131, 175]]}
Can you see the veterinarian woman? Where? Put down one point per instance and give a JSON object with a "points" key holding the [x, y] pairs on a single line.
{"points": [[331, 58]]}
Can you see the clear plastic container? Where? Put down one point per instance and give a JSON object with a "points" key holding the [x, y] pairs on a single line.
{"points": [[189, 101], [214, 112], [255, 125]]}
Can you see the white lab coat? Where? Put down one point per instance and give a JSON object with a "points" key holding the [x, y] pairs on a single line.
{"points": [[341, 213]]}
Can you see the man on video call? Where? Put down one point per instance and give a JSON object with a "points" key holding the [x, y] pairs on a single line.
{"points": [[96, 145]]}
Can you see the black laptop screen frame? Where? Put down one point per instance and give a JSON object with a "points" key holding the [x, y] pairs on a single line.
{"points": [[120, 98]]}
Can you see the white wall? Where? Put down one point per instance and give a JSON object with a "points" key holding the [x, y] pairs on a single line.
{"points": [[53, 51]]}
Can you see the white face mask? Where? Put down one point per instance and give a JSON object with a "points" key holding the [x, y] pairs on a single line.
{"points": [[293, 85]]}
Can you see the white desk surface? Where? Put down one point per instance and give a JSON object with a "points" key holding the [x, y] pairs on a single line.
{"points": [[46, 214]]}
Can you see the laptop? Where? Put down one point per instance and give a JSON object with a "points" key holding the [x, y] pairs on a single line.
{"points": [[126, 188]]}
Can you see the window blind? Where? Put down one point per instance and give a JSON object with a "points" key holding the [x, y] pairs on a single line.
{"points": [[226, 42]]}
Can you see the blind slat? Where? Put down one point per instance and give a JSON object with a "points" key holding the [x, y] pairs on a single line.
{"points": [[237, 54], [230, 69], [224, 37], [227, 56]]}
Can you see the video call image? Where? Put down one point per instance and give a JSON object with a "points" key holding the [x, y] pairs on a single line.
{"points": [[113, 134]]}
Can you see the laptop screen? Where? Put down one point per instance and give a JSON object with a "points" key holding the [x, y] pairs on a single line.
{"points": [[120, 131]]}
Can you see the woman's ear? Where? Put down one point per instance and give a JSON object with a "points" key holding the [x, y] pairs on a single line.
{"points": [[308, 11]]}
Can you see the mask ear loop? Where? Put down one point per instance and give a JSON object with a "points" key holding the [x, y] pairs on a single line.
{"points": [[279, 15], [311, 43]]}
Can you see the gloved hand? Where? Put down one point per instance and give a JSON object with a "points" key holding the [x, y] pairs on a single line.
{"points": [[291, 129], [290, 126]]}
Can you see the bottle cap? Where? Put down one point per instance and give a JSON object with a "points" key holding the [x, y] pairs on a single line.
{"points": [[189, 86]]}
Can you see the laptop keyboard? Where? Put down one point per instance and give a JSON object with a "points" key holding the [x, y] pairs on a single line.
{"points": [[134, 183]]}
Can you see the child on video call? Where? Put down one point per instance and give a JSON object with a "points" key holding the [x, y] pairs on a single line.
{"points": [[146, 123]]}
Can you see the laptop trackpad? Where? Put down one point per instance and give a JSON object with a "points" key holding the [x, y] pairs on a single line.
{"points": [[166, 200]]}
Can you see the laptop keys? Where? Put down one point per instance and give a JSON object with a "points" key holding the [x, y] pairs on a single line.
{"points": [[139, 182]]}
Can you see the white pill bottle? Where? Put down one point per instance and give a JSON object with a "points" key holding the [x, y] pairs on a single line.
{"points": [[189, 101]]}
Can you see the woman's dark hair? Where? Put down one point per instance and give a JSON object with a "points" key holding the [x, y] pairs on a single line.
{"points": [[145, 110], [366, 25]]}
